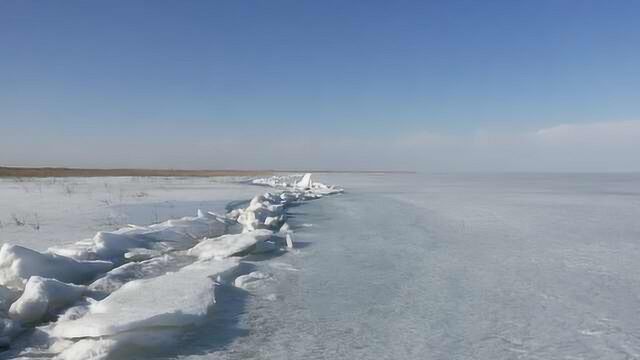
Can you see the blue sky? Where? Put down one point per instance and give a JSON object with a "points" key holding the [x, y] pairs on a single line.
{"points": [[84, 80]]}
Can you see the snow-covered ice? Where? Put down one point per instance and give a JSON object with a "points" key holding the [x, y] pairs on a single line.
{"points": [[176, 299], [136, 286], [228, 245], [173, 234], [44, 297], [535, 266], [148, 268], [18, 264], [250, 280], [399, 267]]}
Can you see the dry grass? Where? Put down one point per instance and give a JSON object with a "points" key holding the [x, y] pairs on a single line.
{"points": [[69, 172]]}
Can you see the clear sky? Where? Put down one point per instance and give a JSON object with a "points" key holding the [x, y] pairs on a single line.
{"points": [[496, 85]]}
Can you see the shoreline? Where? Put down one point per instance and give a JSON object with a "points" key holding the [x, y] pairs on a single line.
{"points": [[43, 172]]}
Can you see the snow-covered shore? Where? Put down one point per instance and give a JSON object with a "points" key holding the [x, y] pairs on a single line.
{"points": [[139, 286]]}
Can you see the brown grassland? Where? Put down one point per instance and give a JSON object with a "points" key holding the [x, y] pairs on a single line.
{"points": [[77, 172]]}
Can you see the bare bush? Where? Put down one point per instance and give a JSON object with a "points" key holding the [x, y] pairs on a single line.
{"points": [[18, 221], [35, 225], [68, 189]]}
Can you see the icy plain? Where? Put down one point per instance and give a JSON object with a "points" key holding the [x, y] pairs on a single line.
{"points": [[398, 267]]}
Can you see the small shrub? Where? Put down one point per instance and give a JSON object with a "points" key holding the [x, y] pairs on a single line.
{"points": [[36, 223], [18, 221]]}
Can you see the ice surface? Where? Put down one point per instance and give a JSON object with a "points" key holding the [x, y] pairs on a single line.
{"points": [[174, 234], [42, 298], [296, 183], [261, 213], [69, 209], [141, 254], [7, 296], [204, 225], [117, 277], [114, 246], [250, 280], [175, 299], [534, 266], [289, 239], [9, 329], [228, 245], [150, 340], [154, 290], [305, 182], [286, 232], [450, 267], [18, 263]]}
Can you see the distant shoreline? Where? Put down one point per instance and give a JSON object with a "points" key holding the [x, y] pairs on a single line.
{"points": [[12, 171]]}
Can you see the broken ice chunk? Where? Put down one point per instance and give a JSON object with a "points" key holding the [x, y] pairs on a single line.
{"points": [[228, 245], [18, 264], [44, 297]]}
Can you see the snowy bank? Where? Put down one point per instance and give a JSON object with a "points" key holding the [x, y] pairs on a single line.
{"points": [[229, 245], [178, 299], [18, 264], [141, 285]]}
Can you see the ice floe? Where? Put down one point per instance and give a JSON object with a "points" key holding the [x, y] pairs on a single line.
{"points": [[228, 245], [175, 234], [250, 280], [305, 182], [18, 264], [179, 298], [119, 276], [44, 297], [295, 182]]}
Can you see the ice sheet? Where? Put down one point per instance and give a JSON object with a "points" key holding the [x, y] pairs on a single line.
{"points": [[228, 245], [175, 299], [18, 263]]}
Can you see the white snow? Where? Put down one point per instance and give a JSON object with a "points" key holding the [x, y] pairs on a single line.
{"points": [[287, 233], [141, 254], [305, 182], [228, 245], [173, 234], [485, 266], [44, 297], [174, 299], [119, 276], [289, 239], [113, 246], [136, 285], [311, 189], [18, 263], [102, 348]]}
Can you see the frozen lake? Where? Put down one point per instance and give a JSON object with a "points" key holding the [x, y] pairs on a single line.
{"points": [[426, 267], [455, 267]]}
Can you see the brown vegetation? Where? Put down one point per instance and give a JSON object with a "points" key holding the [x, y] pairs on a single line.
{"points": [[67, 172]]}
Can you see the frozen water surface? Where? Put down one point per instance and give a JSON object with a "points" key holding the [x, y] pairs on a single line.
{"points": [[415, 267], [451, 267]]}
